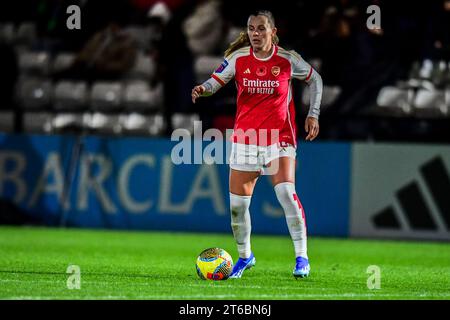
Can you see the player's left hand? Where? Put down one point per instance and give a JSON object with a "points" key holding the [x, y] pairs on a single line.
{"points": [[312, 127]]}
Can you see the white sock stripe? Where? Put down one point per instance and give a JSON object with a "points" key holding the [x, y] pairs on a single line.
{"points": [[283, 185], [239, 197]]}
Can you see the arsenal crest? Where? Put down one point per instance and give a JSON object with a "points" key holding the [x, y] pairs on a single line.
{"points": [[276, 71]]}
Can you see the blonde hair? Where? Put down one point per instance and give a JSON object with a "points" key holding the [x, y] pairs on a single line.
{"points": [[244, 41]]}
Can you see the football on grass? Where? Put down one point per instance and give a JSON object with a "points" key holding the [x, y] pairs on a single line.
{"points": [[214, 264]]}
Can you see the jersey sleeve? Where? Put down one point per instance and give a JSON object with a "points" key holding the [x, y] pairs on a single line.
{"points": [[221, 76], [225, 72], [302, 70]]}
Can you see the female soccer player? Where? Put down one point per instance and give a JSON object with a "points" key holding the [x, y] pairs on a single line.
{"points": [[264, 135]]}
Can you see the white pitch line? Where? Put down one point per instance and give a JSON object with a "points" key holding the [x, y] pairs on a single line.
{"points": [[206, 286], [214, 297], [147, 285]]}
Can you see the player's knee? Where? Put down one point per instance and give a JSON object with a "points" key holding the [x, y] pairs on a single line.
{"points": [[285, 192]]}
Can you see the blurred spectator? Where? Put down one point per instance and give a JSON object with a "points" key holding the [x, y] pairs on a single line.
{"points": [[51, 16], [176, 64], [146, 5], [143, 9], [161, 12], [205, 28], [8, 75], [108, 55], [335, 40], [438, 35]]}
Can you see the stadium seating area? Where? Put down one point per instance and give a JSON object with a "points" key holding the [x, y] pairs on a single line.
{"points": [[129, 104], [49, 99], [425, 94]]}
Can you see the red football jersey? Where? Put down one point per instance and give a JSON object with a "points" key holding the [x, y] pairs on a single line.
{"points": [[265, 107]]}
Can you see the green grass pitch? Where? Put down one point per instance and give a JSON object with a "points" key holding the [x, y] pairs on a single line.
{"points": [[161, 265]]}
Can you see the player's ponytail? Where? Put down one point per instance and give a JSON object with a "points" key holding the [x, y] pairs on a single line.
{"points": [[243, 39]]}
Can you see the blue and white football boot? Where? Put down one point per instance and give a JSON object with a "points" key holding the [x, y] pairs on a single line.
{"points": [[302, 268], [241, 265]]}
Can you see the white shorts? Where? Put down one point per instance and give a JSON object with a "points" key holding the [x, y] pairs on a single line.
{"points": [[247, 157]]}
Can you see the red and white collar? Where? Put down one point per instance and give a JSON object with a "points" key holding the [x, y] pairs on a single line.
{"points": [[274, 51]]}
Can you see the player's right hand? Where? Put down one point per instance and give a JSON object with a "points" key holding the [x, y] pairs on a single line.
{"points": [[312, 127], [197, 92]]}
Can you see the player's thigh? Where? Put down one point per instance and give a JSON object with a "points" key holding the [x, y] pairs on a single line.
{"points": [[285, 170], [242, 183]]}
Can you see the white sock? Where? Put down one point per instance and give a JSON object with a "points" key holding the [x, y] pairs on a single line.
{"points": [[240, 223], [295, 216]]}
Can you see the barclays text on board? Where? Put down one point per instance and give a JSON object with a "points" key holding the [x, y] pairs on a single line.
{"points": [[132, 183]]}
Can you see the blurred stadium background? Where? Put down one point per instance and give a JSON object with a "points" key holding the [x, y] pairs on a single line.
{"points": [[86, 117]]}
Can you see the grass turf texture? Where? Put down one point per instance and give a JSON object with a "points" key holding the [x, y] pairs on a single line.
{"points": [[161, 265]]}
